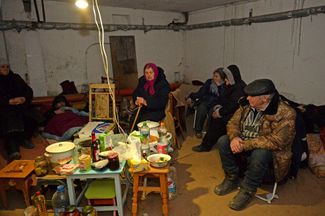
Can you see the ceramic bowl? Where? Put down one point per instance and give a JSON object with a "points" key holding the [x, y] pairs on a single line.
{"points": [[159, 160]]}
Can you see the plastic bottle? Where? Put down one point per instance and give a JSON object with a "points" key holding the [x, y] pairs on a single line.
{"points": [[171, 179], [163, 141], [39, 201], [59, 201], [162, 130], [145, 133]]}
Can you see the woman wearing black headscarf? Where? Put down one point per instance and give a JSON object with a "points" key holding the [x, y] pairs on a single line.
{"points": [[223, 111]]}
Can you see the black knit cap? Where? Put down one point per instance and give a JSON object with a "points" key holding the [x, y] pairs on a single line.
{"points": [[260, 87]]}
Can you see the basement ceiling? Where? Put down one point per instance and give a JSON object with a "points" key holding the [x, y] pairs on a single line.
{"points": [[164, 5]]}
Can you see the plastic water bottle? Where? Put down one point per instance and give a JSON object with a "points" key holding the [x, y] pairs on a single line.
{"points": [[59, 200], [162, 146], [39, 201], [162, 130], [145, 133], [171, 181]]}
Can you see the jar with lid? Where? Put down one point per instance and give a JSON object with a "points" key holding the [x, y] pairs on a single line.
{"points": [[41, 166], [88, 211], [71, 211], [113, 161]]}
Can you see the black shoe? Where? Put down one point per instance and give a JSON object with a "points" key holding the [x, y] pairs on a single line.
{"points": [[14, 156], [241, 200], [200, 148], [227, 186], [28, 144]]}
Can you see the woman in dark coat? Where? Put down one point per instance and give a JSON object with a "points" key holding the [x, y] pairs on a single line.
{"points": [[207, 96], [19, 119], [223, 111], [151, 94]]}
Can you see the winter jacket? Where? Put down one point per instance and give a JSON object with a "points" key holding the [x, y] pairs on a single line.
{"points": [[156, 103], [205, 95], [11, 86], [234, 92], [276, 133]]}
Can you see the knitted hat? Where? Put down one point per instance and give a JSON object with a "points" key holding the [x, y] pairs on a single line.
{"points": [[260, 87], [3, 61]]}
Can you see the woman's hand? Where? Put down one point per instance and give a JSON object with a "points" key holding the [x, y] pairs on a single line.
{"points": [[59, 111], [189, 101], [140, 101], [17, 100], [216, 114]]}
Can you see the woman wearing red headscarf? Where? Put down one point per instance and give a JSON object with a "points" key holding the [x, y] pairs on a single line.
{"points": [[152, 93]]}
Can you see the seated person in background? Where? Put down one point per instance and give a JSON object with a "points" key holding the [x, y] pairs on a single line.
{"points": [[63, 121], [225, 108], [151, 94], [261, 131], [206, 98], [19, 119]]}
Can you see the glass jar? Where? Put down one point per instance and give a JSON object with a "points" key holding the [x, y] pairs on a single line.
{"points": [[84, 162], [71, 211], [88, 211], [41, 166], [113, 161]]}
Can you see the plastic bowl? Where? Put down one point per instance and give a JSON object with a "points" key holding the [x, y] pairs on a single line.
{"points": [[159, 160]]}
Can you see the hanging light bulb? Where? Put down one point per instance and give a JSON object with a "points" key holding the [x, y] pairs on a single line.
{"points": [[82, 4]]}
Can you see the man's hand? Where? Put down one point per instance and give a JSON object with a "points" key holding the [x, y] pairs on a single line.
{"points": [[236, 145], [140, 101], [17, 100]]}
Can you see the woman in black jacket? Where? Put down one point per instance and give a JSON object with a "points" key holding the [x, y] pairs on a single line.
{"points": [[151, 94], [223, 111], [19, 119]]}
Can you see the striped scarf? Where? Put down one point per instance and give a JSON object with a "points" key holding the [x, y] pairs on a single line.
{"points": [[251, 126]]}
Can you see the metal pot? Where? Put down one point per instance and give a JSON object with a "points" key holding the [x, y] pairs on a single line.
{"points": [[60, 153]]}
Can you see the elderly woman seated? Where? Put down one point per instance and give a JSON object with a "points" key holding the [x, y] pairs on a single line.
{"points": [[206, 98]]}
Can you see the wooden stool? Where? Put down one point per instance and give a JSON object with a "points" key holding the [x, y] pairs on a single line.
{"points": [[160, 173], [18, 174]]}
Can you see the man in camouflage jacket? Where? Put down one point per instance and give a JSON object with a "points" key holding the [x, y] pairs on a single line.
{"points": [[262, 131]]}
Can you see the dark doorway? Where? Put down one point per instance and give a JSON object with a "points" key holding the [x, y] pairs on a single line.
{"points": [[124, 61]]}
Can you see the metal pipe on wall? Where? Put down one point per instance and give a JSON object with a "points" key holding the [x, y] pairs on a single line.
{"points": [[19, 25]]}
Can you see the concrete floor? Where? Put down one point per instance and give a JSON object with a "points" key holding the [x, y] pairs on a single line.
{"points": [[197, 175]]}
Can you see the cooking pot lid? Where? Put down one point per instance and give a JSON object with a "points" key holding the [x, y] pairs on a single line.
{"points": [[150, 124], [60, 147]]}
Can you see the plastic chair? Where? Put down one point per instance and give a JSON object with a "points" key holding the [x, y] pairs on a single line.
{"points": [[270, 196], [101, 192]]}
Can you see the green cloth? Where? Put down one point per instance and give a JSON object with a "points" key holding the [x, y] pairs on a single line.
{"points": [[101, 189]]}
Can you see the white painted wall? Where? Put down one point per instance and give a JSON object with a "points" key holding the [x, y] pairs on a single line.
{"points": [[289, 53], [72, 55]]}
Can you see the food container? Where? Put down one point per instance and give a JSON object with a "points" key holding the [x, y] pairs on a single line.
{"points": [[84, 162], [88, 211], [162, 148], [60, 153], [159, 160], [114, 162], [41, 166]]}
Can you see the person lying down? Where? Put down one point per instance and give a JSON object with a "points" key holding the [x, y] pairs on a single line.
{"points": [[63, 121]]}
